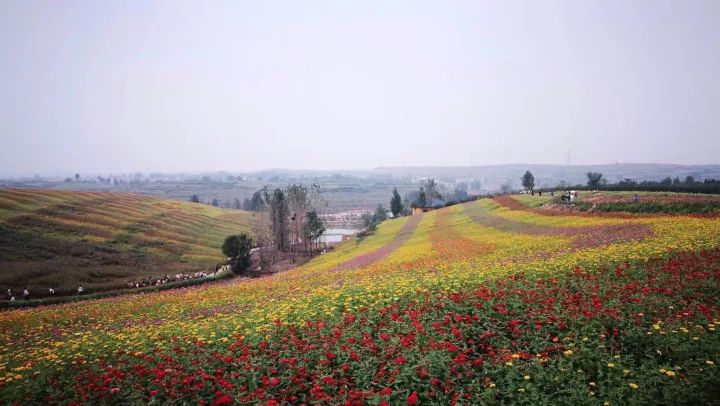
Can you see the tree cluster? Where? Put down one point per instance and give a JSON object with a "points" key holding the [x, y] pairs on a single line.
{"points": [[370, 221], [429, 191], [286, 219]]}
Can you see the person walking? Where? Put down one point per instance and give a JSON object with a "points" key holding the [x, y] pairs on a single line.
{"points": [[80, 290], [51, 291], [26, 294]]}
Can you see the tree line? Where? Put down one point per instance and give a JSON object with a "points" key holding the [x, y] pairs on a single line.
{"points": [[596, 181]]}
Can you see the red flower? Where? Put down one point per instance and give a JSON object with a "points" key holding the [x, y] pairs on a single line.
{"points": [[413, 399], [275, 382], [222, 400], [400, 360], [386, 391]]}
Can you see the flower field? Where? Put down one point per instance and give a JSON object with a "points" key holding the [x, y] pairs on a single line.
{"points": [[480, 303], [100, 240]]}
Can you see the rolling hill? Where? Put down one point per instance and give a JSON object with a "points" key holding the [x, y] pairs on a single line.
{"points": [[495, 301], [101, 240]]}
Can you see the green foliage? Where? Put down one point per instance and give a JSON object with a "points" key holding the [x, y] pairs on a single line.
{"points": [[237, 248], [421, 200], [396, 206], [528, 181], [314, 225], [707, 186], [380, 214], [595, 179]]}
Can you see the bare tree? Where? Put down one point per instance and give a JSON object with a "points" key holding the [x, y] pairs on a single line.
{"points": [[262, 232]]}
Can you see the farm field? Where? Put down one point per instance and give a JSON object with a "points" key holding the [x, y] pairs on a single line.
{"points": [[101, 240], [488, 302]]}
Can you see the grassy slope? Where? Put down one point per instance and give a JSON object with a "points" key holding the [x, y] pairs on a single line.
{"points": [[453, 268], [100, 240]]}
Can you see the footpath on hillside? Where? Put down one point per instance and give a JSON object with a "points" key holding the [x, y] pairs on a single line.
{"points": [[382, 252]]}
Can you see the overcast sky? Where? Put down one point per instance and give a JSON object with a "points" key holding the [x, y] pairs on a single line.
{"points": [[109, 86]]}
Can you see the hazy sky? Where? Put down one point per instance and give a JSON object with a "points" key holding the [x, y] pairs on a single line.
{"points": [[108, 86]]}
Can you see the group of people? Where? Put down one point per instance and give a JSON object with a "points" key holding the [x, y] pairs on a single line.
{"points": [[26, 293], [152, 281], [149, 281], [569, 196]]}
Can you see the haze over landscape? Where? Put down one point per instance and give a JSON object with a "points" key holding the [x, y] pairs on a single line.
{"points": [[176, 86], [359, 202]]}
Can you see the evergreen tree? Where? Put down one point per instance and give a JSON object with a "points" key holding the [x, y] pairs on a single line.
{"points": [[237, 248], [528, 181], [396, 206], [595, 179]]}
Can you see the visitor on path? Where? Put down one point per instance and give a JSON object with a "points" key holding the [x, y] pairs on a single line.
{"points": [[80, 290], [540, 193], [51, 291], [10, 293], [26, 294], [12, 298]]}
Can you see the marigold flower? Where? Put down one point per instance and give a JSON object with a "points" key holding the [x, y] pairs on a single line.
{"points": [[611, 365], [633, 385], [526, 377]]}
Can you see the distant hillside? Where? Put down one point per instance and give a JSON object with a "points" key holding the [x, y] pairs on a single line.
{"points": [[101, 240]]}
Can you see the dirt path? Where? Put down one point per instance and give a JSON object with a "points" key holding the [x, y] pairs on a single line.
{"points": [[584, 237], [382, 252]]}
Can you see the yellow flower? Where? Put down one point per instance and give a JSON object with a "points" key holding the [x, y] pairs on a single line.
{"points": [[526, 377], [709, 362], [633, 385], [670, 373], [508, 363], [568, 352], [521, 390], [611, 365]]}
